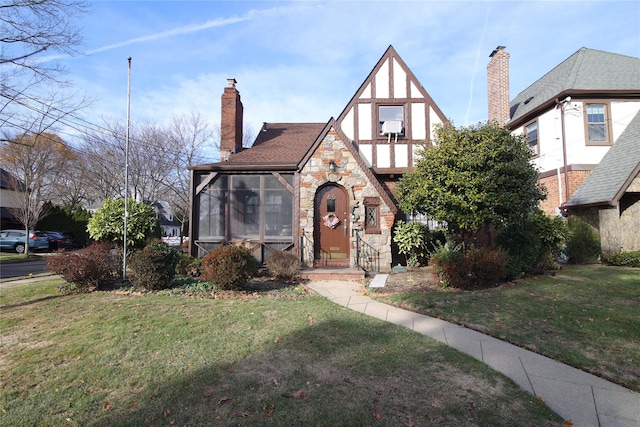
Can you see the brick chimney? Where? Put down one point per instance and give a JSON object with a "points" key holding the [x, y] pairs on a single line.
{"points": [[498, 86], [231, 121]]}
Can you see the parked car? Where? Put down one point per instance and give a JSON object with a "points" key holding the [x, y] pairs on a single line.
{"points": [[63, 239], [14, 240]]}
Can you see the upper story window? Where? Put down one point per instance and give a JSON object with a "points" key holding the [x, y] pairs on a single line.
{"points": [[391, 120], [531, 132], [596, 121]]}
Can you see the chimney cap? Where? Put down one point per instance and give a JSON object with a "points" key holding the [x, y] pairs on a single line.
{"points": [[232, 82], [496, 50]]}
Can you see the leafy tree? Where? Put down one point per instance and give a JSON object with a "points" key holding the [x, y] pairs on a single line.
{"points": [[36, 161], [107, 224], [475, 176]]}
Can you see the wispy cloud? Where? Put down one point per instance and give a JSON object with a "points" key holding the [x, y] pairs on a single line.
{"points": [[189, 29], [183, 30], [475, 67]]}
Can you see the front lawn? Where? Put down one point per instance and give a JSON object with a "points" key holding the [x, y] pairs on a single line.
{"points": [[109, 359], [585, 316]]}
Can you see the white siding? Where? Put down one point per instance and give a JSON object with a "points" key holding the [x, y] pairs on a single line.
{"points": [[399, 81], [348, 126], [577, 151], [364, 121], [366, 92], [414, 92], [418, 125], [366, 150], [402, 155], [382, 81], [383, 156]]}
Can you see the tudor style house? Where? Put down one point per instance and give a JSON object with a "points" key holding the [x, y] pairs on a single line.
{"points": [[582, 122], [322, 190]]}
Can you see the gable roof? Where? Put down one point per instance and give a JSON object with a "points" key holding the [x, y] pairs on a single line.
{"points": [[278, 145], [609, 180], [390, 53], [331, 124], [587, 71]]}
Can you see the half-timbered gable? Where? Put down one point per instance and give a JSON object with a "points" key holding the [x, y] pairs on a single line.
{"points": [[390, 116]]}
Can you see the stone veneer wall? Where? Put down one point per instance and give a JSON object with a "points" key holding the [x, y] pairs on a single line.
{"points": [[350, 176], [619, 231]]}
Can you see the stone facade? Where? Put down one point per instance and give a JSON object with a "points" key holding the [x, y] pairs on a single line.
{"points": [[351, 177], [619, 227]]}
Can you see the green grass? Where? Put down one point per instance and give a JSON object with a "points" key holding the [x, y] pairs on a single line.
{"points": [[585, 316], [109, 359], [15, 257]]}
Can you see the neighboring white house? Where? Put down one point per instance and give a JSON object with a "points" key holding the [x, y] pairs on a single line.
{"points": [[572, 117]]}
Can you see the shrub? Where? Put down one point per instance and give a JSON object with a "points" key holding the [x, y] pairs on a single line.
{"points": [[583, 242], [89, 269], [486, 266], [188, 266], [228, 267], [624, 259], [534, 244], [411, 240], [154, 266], [284, 265], [477, 268], [447, 261]]}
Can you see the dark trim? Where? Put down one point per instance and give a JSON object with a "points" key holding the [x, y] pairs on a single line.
{"points": [[576, 95], [570, 168]]}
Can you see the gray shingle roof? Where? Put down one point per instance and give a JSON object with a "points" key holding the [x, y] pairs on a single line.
{"points": [[609, 179], [587, 70]]}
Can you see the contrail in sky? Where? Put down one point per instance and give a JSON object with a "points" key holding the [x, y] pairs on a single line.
{"points": [[186, 29], [475, 68]]}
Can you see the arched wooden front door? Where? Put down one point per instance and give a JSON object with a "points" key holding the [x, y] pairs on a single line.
{"points": [[331, 228]]}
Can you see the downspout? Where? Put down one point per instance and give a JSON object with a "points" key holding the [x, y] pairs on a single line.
{"points": [[564, 148]]}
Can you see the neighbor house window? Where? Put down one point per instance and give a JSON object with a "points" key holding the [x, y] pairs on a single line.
{"points": [[531, 132], [597, 129], [372, 215], [391, 120]]}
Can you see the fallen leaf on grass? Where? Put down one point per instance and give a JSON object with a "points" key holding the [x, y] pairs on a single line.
{"points": [[224, 400], [108, 406]]}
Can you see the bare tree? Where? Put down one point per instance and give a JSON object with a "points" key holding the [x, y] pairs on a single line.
{"points": [[36, 160], [29, 30], [187, 137]]}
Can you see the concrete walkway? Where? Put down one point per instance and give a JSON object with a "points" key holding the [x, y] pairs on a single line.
{"points": [[575, 395]]}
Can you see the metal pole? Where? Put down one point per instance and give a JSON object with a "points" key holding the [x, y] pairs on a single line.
{"points": [[126, 172]]}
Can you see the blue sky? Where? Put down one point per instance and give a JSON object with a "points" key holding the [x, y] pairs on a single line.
{"points": [[302, 61]]}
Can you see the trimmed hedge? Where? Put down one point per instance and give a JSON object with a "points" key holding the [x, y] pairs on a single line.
{"points": [[154, 266], [623, 259], [228, 267]]}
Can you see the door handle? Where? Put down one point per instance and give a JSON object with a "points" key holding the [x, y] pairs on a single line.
{"points": [[345, 226]]}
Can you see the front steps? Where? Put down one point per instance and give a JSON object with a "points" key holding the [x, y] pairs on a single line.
{"points": [[332, 273]]}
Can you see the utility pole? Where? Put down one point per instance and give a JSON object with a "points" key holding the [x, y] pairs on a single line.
{"points": [[126, 173]]}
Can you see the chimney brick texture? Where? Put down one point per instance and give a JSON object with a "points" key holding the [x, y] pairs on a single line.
{"points": [[231, 121], [498, 86]]}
